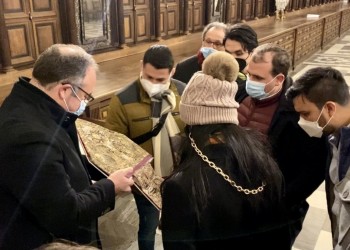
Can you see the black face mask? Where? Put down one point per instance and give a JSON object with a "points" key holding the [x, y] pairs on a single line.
{"points": [[242, 64]]}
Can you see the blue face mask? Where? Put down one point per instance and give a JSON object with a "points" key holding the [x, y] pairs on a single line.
{"points": [[81, 108], [257, 89], [206, 51]]}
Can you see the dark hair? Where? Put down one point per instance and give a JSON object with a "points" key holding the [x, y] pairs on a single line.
{"points": [[249, 155], [62, 63], [280, 58], [159, 56], [319, 85], [243, 34]]}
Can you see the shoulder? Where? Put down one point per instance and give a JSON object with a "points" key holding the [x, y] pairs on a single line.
{"points": [[129, 93], [180, 86], [188, 61]]}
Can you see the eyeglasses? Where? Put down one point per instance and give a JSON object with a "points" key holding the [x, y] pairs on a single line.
{"points": [[211, 43], [88, 97]]}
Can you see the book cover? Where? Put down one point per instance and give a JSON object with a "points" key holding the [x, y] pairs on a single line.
{"points": [[109, 151]]}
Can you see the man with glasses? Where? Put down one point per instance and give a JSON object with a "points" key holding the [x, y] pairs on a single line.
{"points": [[212, 39], [45, 190]]}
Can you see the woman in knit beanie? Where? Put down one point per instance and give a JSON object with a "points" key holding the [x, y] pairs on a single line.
{"points": [[227, 191]]}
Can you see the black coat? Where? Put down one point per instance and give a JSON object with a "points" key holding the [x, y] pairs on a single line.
{"points": [[45, 190], [228, 221], [301, 158], [186, 68]]}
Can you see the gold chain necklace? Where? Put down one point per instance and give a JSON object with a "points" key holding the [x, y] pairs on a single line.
{"points": [[225, 176]]}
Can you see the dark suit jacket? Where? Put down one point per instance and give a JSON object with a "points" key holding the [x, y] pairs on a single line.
{"points": [[45, 190], [186, 68]]}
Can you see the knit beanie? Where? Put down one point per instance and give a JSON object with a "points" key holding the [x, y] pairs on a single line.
{"points": [[209, 97]]}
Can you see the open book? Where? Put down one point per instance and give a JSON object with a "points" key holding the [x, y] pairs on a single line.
{"points": [[109, 151]]}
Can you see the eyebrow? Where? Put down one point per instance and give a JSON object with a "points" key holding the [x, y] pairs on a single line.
{"points": [[155, 78], [235, 51]]}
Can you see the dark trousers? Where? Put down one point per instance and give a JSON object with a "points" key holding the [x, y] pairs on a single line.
{"points": [[149, 220], [297, 216]]}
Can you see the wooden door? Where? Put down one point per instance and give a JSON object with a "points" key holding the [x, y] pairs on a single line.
{"points": [[195, 15], [169, 17], [137, 21], [32, 26], [259, 8], [232, 11], [247, 10]]}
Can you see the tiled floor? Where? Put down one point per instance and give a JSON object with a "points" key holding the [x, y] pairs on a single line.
{"points": [[119, 227]]}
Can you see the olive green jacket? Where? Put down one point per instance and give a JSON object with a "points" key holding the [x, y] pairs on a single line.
{"points": [[129, 111]]}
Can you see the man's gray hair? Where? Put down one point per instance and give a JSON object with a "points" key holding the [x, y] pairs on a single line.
{"points": [[216, 25], [62, 63]]}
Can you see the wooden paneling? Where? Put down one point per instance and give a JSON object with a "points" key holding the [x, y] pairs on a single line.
{"points": [[129, 27], [331, 28], [32, 26], [195, 15], [232, 11], [169, 17], [45, 35], [136, 20], [42, 5], [19, 36], [13, 6], [308, 40], [345, 21], [247, 10], [286, 40], [259, 8]]}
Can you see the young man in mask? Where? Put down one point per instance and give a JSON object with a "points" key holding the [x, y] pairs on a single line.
{"points": [[240, 41], [45, 189], [212, 40], [148, 103], [321, 97], [301, 158]]}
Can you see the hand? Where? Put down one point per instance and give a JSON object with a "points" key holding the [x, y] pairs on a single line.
{"points": [[122, 183]]}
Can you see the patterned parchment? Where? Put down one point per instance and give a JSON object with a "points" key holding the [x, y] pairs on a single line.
{"points": [[109, 151]]}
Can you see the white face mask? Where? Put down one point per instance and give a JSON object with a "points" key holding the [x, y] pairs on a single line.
{"points": [[312, 128], [154, 88]]}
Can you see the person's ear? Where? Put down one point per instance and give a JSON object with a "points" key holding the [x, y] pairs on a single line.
{"points": [[63, 91], [331, 108], [280, 78]]}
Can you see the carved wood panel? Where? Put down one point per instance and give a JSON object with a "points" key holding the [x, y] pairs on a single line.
{"points": [[331, 28], [169, 17], [285, 40], [345, 21], [232, 11], [32, 26], [195, 15], [308, 40], [136, 20], [247, 10], [259, 8]]}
